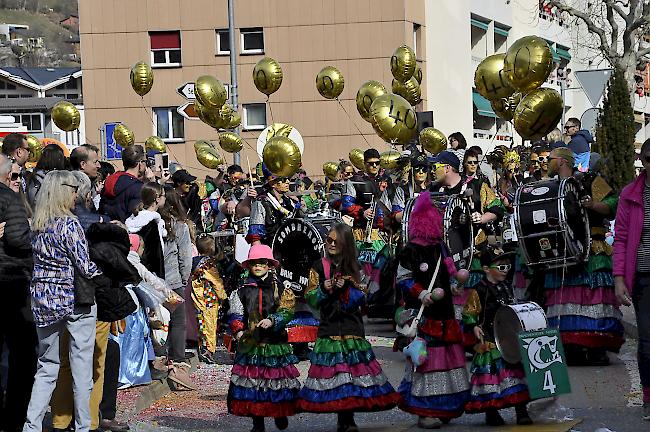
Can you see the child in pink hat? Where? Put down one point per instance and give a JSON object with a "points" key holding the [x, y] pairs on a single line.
{"points": [[264, 381]]}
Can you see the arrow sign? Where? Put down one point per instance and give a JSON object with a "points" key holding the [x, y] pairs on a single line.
{"points": [[593, 83], [187, 91], [187, 110]]}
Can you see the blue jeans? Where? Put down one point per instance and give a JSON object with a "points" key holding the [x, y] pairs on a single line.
{"points": [[641, 302], [81, 327]]}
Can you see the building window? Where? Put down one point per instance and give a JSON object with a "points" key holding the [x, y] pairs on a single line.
{"points": [[254, 117], [32, 121], [223, 43], [252, 40], [417, 38], [169, 124], [165, 48]]}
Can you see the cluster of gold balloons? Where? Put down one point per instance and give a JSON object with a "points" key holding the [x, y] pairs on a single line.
{"points": [[207, 154], [66, 116], [141, 78], [511, 81]]}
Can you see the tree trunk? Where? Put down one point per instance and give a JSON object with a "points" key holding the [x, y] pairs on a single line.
{"points": [[628, 65]]}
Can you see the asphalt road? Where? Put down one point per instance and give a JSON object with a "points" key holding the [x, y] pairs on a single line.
{"points": [[603, 398]]}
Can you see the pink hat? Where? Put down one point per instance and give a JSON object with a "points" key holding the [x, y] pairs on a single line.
{"points": [[135, 242], [261, 251]]}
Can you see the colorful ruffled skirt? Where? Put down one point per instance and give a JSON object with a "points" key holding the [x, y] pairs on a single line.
{"points": [[584, 307], [264, 382], [304, 326], [440, 386], [345, 376], [495, 383]]}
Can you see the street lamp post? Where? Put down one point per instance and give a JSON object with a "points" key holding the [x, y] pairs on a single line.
{"points": [[233, 66]]}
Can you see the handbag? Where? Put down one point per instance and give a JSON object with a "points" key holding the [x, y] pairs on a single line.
{"points": [[84, 289]]}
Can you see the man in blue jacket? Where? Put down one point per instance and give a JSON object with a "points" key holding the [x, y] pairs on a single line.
{"points": [[580, 143], [121, 192]]}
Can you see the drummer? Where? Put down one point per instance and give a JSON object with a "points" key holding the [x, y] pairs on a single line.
{"points": [[582, 302], [417, 183], [270, 209]]}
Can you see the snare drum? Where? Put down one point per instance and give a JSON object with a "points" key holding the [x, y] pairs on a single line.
{"points": [[552, 226], [510, 320], [458, 231]]}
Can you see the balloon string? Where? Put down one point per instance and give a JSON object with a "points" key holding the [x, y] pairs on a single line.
{"points": [[249, 145], [352, 121], [268, 102]]}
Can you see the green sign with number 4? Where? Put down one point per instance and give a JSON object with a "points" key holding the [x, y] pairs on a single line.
{"points": [[543, 358]]}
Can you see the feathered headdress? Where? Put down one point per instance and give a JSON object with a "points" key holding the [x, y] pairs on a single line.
{"points": [[425, 222], [511, 157]]}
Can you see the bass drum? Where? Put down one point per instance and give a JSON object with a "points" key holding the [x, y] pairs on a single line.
{"points": [[551, 224], [510, 320], [458, 232], [297, 244]]}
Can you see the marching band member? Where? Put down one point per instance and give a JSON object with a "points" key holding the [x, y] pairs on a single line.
{"points": [[264, 381], [344, 375], [512, 178], [418, 182], [496, 384], [582, 301], [270, 209], [437, 390]]}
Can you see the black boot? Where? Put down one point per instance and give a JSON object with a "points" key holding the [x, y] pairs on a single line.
{"points": [[258, 424], [597, 357], [522, 415], [493, 418], [281, 423], [346, 422]]}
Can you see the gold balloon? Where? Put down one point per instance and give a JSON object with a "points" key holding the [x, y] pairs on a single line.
{"points": [[433, 140], [282, 156], [356, 157], [388, 159], [410, 90], [505, 108], [209, 157], [235, 120], [368, 92], [141, 78], [225, 113], [199, 144], [418, 73], [538, 113], [209, 116], [66, 116], [35, 148], [402, 63], [490, 80], [230, 142], [123, 135], [331, 170], [210, 92], [156, 144], [267, 76], [330, 82], [528, 63], [393, 118]]}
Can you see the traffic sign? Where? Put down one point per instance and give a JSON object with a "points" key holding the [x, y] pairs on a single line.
{"points": [[187, 91], [187, 110], [113, 150]]}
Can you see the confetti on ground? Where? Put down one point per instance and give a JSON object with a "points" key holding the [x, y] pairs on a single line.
{"points": [[381, 341]]}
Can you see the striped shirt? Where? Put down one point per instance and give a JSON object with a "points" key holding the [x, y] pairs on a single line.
{"points": [[643, 253]]}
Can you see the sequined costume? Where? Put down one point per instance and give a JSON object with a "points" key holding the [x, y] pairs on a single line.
{"points": [[267, 214], [207, 293], [439, 387], [495, 383], [264, 381], [344, 375]]}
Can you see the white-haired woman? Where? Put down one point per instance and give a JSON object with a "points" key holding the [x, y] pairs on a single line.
{"points": [[60, 249]]}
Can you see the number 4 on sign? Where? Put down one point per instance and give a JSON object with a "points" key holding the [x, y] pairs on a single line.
{"points": [[548, 382]]}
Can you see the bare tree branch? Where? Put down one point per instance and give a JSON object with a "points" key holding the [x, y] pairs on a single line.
{"points": [[645, 51], [612, 22], [612, 4]]}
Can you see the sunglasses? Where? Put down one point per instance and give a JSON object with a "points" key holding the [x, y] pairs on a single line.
{"points": [[472, 162], [74, 187], [376, 163], [330, 241], [567, 127], [348, 173], [420, 169], [502, 267], [16, 176], [542, 158]]}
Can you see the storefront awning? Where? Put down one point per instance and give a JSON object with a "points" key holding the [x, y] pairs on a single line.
{"points": [[563, 53], [483, 106]]}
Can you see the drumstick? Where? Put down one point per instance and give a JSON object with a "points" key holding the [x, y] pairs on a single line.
{"points": [[250, 173]]}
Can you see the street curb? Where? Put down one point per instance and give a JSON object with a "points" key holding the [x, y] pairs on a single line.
{"points": [[158, 389]]}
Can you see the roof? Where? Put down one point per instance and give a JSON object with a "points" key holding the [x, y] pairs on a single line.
{"points": [[40, 78], [45, 103], [68, 17]]}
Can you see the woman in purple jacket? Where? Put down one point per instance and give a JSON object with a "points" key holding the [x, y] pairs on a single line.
{"points": [[631, 267]]}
